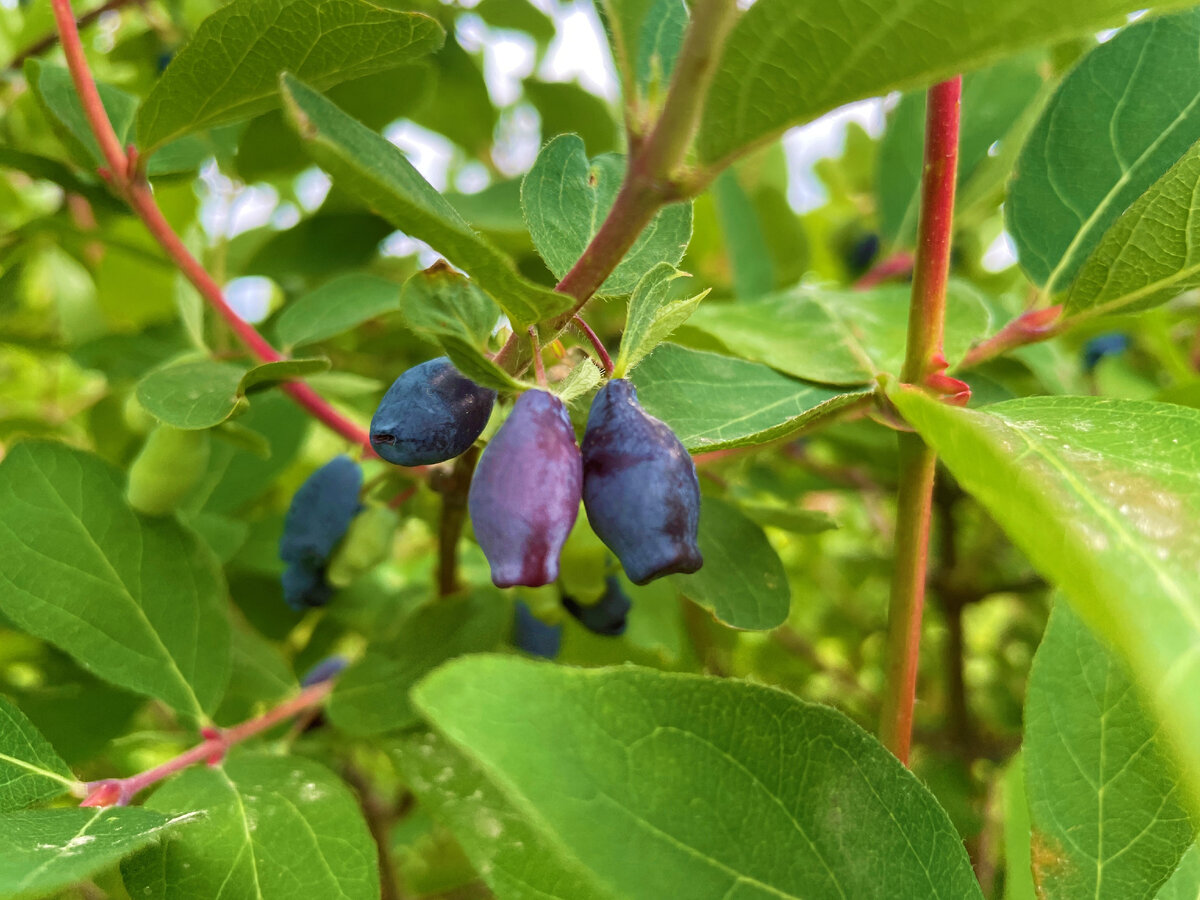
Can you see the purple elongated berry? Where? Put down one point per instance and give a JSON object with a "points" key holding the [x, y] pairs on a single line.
{"points": [[525, 494], [320, 512], [430, 414], [608, 616], [640, 488]]}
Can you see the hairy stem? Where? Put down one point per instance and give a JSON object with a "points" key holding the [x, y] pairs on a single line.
{"points": [[123, 174], [216, 743], [923, 359]]}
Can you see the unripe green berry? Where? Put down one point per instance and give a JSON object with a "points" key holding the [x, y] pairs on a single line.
{"points": [[170, 464]]}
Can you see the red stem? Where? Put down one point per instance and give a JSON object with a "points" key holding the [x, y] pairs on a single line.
{"points": [[122, 173], [605, 359], [924, 363], [900, 263], [214, 747], [1028, 328]]}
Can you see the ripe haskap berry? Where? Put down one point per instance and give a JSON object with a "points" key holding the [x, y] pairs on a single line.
{"points": [[525, 494], [639, 487], [320, 513], [329, 667], [305, 586], [430, 414], [533, 635], [169, 465], [608, 615], [1103, 345]]}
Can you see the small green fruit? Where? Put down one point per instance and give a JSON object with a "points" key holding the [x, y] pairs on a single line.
{"points": [[170, 464]]}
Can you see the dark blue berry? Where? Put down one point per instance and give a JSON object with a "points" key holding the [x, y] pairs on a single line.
{"points": [[329, 667], [609, 615], [430, 414], [639, 487], [320, 512], [1101, 346], [533, 635], [305, 587]]}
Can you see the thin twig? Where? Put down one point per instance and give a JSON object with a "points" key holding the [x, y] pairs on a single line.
{"points": [[596, 343], [123, 173]]}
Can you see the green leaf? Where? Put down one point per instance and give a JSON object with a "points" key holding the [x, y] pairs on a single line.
{"points": [[1185, 883], [30, 770], [797, 800], [566, 198], [652, 317], [229, 69], [518, 15], [45, 850], [787, 62], [712, 402], [275, 828], [1128, 111], [371, 696], [444, 306], [658, 46], [259, 677], [1151, 254], [1018, 858], [204, 393], [367, 165], [43, 167], [580, 381], [837, 337], [993, 101], [336, 307], [742, 581], [139, 601], [1102, 496], [1104, 803], [566, 108], [746, 245]]}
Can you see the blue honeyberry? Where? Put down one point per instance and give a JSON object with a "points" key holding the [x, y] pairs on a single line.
{"points": [[640, 488], [525, 495], [1101, 346], [305, 587], [430, 414], [533, 635], [320, 513], [327, 668], [607, 616]]}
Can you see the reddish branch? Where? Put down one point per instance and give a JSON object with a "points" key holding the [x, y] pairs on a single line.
{"points": [[605, 359], [895, 266], [212, 750], [1027, 328], [924, 364], [124, 174]]}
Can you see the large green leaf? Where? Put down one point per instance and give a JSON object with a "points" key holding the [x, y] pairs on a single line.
{"points": [[368, 165], [654, 781], [372, 695], [275, 828], [1104, 802], [139, 601], [1185, 883], [1151, 254], [30, 770], [789, 61], [742, 581], [1119, 120], [993, 101], [712, 402], [566, 198], [837, 337], [229, 70], [336, 307], [1103, 497], [44, 850]]}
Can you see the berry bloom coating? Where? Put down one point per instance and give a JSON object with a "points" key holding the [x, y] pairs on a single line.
{"points": [[430, 414], [639, 487], [524, 497], [533, 635], [320, 513], [608, 616], [171, 462]]}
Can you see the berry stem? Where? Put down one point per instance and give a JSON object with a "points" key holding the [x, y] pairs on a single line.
{"points": [[1030, 327], [539, 366], [923, 361], [214, 747], [605, 359], [124, 175]]}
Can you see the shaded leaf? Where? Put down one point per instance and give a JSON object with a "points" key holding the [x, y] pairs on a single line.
{"points": [[1119, 120], [1103, 799], [30, 770], [712, 402], [819, 808], [229, 69], [139, 601], [566, 197], [336, 307], [368, 165]]}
